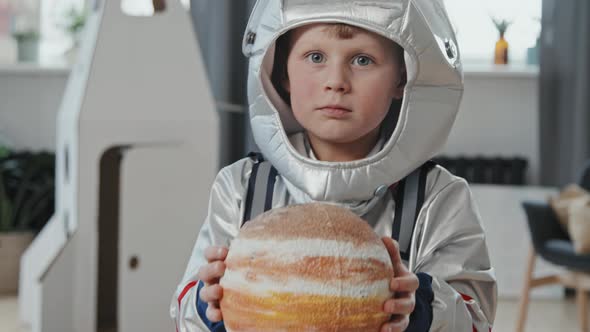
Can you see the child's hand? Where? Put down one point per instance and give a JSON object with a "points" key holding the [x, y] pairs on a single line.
{"points": [[404, 284], [210, 275]]}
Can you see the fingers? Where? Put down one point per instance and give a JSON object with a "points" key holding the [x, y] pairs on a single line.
{"points": [[212, 293], [403, 306], [397, 324], [396, 260], [407, 283], [211, 272], [216, 253], [210, 275], [213, 314]]}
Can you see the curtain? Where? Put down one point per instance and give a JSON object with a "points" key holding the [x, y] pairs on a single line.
{"points": [[564, 90], [219, 27]]}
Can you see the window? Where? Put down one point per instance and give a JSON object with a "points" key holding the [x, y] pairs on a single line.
{"points": [[477, 35], [144, 7], [56, 42], [54, 39]]}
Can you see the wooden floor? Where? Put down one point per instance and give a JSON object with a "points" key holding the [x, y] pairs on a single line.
{"points": [[544, 316], [9, 314]]}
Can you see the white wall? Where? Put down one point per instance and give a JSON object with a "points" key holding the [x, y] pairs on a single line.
{"points": [[499, 116], [29, 101]]}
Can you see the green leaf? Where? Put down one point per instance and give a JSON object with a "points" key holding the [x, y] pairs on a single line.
{"points": [[502, 25], [29, 210], [4, 152], [27, 195], [75, 19], [26, 35]]}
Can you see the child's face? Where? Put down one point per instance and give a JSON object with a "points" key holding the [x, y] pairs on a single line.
{"points": [[341, 89]]}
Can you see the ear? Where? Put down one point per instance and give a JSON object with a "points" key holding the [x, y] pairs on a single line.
{"points": [[398, 92], [286, 85]]}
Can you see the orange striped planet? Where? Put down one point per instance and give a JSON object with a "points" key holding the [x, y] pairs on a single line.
{"points": [[310, 267]]}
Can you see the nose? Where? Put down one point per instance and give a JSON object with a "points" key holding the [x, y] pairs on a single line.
{"points": [[337, 79]]}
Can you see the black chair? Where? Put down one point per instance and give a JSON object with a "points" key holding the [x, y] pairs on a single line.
{"points": [[552, 243]]}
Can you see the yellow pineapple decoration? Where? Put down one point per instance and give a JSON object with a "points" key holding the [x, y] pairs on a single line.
{"points": [[501, 52]]}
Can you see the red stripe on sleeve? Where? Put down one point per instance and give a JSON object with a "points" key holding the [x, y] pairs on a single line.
{"points": [[468, 298], [185, 290], [182, 294]]}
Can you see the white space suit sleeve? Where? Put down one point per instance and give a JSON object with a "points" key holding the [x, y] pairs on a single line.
{"points": [[450, 246], [220, 226]]}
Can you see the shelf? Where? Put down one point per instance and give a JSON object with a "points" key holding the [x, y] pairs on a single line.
{"points": [[500, 71], [33, 69]]}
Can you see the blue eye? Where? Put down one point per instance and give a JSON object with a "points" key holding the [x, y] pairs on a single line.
{"points": [[362, 60], [316, 57]]}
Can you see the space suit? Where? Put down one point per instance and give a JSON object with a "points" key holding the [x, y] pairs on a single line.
{"points": [[446, 242]]}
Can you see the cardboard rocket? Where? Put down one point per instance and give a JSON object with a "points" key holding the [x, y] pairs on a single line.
{"points": [[137, 147]]}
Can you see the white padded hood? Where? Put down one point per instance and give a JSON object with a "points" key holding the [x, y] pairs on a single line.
{"points": [[431, 98]]}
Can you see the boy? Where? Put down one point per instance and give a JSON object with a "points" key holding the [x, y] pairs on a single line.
{"points": [[326, 82]]}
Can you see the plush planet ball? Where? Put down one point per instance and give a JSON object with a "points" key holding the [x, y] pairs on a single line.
{"points": [[309, 267]]}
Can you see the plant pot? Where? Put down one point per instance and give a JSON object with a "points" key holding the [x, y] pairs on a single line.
{"points": [[28, 49], [12, 246], [532, 55]]}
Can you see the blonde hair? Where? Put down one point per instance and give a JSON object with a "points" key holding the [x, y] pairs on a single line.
{"points": [[341, 30]]}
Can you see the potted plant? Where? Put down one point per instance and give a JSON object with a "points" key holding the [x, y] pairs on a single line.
{"points": [[26, 204], [25, 30], [74, 20], [27, 45], [501, 51], [73, 24]]}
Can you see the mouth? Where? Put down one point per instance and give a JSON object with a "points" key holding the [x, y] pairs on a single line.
{"points": [[334, 111]]}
